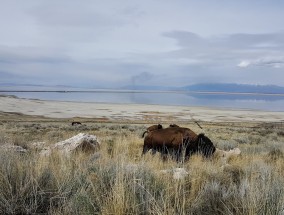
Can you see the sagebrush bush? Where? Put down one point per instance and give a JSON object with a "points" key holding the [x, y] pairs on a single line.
{"points": [[226, 145]]}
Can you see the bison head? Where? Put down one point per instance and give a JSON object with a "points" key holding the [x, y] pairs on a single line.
{"points": [[205, 145], [202, 145]]}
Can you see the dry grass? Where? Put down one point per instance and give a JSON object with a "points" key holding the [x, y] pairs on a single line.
{"points": [[117, 180]]}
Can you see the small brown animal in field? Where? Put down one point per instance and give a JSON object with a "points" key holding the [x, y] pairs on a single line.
{"points": [[76, 123], [152, 128]]}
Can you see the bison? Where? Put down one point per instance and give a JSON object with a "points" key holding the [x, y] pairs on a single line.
{"points": [[178, 142], [76, 123], [152, 128]]}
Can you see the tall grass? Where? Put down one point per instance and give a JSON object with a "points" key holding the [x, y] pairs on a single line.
{"points": [[117, 180]]}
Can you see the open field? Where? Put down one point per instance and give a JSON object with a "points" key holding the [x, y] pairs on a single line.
{"points": [[117, 180]]}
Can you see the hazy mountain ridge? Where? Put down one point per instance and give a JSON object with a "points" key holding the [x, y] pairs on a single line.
{"points": [[216, 87], [235, 88]]}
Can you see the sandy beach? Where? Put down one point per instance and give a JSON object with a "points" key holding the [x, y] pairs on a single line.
{"points": [[133, 112]]}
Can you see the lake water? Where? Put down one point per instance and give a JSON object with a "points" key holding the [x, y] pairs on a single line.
{"points": [[236, 101]]}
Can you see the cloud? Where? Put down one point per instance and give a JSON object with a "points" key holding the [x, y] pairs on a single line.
{"points": [[227, 49], [116, 43], [274, 62], [216, 57], [141, 78], [186, 38], [244, 63], [81, 15], [257, 41], [194, 59], [191, 40]]}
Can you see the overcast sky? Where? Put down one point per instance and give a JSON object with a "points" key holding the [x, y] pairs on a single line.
{"points": [[113, 43]]}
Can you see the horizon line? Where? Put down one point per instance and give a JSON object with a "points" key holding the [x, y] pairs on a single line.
{"points": [[142, 91]]}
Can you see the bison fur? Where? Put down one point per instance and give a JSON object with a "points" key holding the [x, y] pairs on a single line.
{"points": [[179, 142]]}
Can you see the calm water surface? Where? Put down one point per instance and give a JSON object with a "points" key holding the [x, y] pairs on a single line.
{"points": [[257, 102]]}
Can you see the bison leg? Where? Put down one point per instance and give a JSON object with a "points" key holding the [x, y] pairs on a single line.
{"points": [[164, 156], [154, 151], [164, 153], [181, 152], [145, 149]]}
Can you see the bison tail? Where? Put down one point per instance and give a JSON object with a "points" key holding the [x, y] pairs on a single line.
{"points": [[144, 134]]}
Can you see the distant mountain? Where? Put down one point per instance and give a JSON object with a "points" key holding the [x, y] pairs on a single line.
{"points": [[215, 87], [235, 88]]}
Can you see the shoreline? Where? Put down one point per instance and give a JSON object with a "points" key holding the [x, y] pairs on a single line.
{"points": [[145, 91], [133, 112]]}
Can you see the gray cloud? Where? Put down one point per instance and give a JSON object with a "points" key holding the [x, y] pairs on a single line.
{"points": [[186, 39], [227, 46], [141, 78], [216, 58], [275, 62], [78, 14], [116, 43], [224, 42], [12, 55]]}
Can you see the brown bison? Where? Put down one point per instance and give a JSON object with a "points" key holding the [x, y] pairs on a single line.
{"points": [[179, 142], [152, 128], [76, 123]]}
